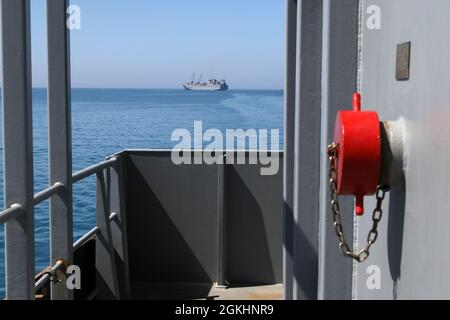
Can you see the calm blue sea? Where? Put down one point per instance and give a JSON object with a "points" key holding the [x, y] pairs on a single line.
{"points": [[106, 121]]}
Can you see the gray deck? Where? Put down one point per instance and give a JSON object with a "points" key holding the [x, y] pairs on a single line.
{"points": [[204, 291]]}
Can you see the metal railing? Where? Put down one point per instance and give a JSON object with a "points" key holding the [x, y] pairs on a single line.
{"points": [[11, 213], [16, 210], [54, 190], [19, 199]]}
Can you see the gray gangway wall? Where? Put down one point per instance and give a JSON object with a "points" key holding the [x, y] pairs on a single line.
{"points": [[202, 223], [413, 252], [334, 49]]}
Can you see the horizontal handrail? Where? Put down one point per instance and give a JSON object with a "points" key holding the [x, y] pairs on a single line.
{"points": [[78, 244], [93, 232], [48, 193], [40, 283], [88, 236], [48, 274], [83, 240], [16, 210], [13, 212], [59, 187], [83, 174]]}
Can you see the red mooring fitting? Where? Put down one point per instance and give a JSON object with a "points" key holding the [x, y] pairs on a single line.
{"points": [[358, 163]]}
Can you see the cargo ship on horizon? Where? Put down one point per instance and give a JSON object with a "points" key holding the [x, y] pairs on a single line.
{"points": [[211, 85]]}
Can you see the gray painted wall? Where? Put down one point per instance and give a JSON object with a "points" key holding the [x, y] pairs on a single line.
{"points": [[321, 76], [303, 250], [253, 225], [172, 221], [413, 250], [339, 80]]}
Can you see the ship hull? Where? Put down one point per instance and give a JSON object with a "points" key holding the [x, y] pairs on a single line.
{"points": [[205, 88]]}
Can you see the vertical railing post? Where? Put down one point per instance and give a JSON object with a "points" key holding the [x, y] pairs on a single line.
{"points": [[289, 127], [339, 81], [18, 147], [119, 226], [105, 262], [221, 228], [60, 141], [306, 175]]}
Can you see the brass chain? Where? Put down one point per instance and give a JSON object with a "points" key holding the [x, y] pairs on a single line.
{"points": [[363, 254]]}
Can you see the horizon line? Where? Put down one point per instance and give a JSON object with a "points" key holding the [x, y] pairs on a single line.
{"points": [[155, 88]]}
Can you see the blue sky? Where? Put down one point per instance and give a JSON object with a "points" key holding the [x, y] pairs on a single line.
{"points": [[160, 43]]}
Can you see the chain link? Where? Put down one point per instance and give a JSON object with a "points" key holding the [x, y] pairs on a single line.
{"points": [[377, 215]]}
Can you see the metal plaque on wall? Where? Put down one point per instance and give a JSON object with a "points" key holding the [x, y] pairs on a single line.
{"points": [[403, 61]]}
